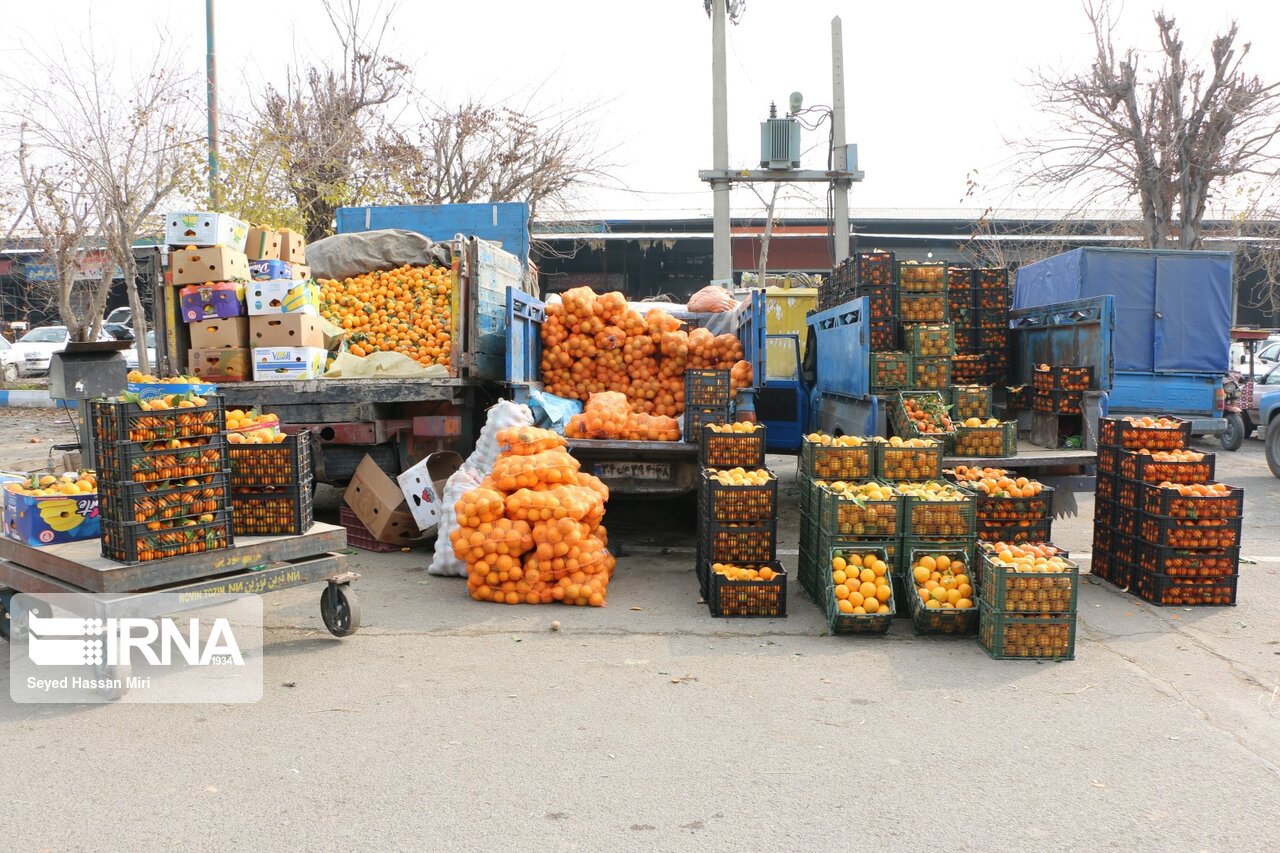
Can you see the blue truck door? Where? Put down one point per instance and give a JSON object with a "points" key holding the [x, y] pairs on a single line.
{"points": [[1192, 324]]}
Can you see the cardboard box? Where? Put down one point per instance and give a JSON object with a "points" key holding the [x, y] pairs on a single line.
{"points": [[263, 244], [220, 365], [287, 364], [423, 487], [231, 333], [292, 247], [268, 270], [283, 297], [38, 521], [212, 301], [377, 501], [285, 330], [206, 266], [149, 390], [184, 228]]}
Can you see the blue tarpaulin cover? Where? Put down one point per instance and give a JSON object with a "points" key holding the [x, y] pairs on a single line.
{"points": [[1173, 308]]}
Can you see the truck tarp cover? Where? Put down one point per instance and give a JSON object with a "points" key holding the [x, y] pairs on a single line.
{"points": [[1173, 309], [346, 255]]}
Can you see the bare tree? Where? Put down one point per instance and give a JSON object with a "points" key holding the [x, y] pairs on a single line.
{"points": [[1167, 136], [60, 203]]}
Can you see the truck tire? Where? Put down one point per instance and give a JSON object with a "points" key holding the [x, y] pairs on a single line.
{"points": [[1233, 436], [1273, 445]]}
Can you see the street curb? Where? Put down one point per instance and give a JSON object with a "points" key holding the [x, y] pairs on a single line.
{"points": [[33, 400]]}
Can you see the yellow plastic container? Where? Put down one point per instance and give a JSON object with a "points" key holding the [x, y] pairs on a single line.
{"points": [[785, 310]]}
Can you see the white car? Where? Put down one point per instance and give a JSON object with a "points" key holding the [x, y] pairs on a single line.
{"points": [[131, 354], [35, 349], [9, 360], [1266, 354]]}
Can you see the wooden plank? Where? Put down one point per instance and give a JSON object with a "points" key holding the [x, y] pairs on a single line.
{"points": [[82, 564]]}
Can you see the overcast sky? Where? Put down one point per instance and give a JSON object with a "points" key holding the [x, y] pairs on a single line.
{"points": [[933, 87]]}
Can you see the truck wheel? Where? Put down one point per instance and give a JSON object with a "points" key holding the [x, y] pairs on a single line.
{"points": [[1273, 445], [1249, 425], [1233, 436]]}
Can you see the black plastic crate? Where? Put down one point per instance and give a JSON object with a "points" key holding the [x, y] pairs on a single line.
{"points": [[928, 277], [1017, 397], [991, 278], [738, 543], [1165, 590], [707, 388], [1105, 486], [138, 503], [987, 442], [929, 340], [1109, 461], [282, 512], [838, 287], [890, 371], [1110, 568], [875, 268], [286, 463], [1062, 377], [923, 307], [1126, 520], [959, 279], [829, 462], [1144, 467], [1189, 532], [1036, 531], [883, 334], [931, 374], [139, 543], [939, 620], [880, 302], [151, 462], [841, 515], [1161, 500], [1021, 637], [992, 301], [1104, 511], [748, 503], [732, 449], [1185, 562], [1057, 402], [696, 417], [117, 421], [994, 341], [967, 370], [358, 536], [844, 619], [1011, 511], [1126, 434], [747, 598]]}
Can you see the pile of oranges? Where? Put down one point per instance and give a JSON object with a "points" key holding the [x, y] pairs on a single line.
{"points": [[609, 415], [861, 586], [46, 485], [594, 343], [531, 532], [941, 583], [406, 310], [997, 482]]}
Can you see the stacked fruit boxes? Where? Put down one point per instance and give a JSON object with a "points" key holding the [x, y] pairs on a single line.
{"points": [[708, 399], [1028, 602], [961, 309], [938, 525], [737, 567], [271, 487], [1059, 389], [162, 474], [1009, 508], [823, 460], [991, 300], [923, 312], [932, 346], [1163, 528]]}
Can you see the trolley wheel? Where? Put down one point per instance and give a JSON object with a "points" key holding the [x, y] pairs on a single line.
{"points": [[119, 674], [17, 620], [340, 609], [1234, 435]]}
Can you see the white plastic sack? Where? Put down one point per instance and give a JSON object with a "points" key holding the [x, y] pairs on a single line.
{"points": [[444, 562], [479, 465]]}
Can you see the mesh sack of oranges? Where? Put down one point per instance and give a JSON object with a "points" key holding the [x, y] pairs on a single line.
{"points": [[406, 310], [595, 343], [531, 532], [609, 415]]}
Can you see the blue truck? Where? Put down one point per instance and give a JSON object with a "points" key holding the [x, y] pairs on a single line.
{"points": [[1172, 340]]}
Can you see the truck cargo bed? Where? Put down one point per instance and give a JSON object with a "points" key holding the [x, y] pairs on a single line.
{"points": [[325, 391]]}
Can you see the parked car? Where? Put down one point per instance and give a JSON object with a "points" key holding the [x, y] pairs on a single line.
{"points": [[1265, 355], [131, 354], [119, 324], [9, 361], [35, 349]]}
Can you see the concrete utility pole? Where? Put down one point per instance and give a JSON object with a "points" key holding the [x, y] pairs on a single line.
{"points": [[722, 246], [840, 151], [211, 73]]}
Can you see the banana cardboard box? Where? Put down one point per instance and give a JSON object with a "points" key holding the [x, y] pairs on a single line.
{"points": [[38, 521], [283, 296]]}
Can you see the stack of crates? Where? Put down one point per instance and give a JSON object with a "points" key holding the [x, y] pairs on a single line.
{"points": [[923, 304], [962, 309], [1002, 517], [271, 487], [1027, 614], [874, 279], [1163, 528], [938, 533], [738, 527], [991, 302], [162, 478], [839, 286], [1058, 389], [822, 463], [931, 346], [708, 399]]}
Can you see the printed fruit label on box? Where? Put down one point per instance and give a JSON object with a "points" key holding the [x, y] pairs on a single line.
{"points": [[38, 521]]}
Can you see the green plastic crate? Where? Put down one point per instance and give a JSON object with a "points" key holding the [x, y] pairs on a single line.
{"points": [[857, 623], [911, 463], [825, 462], [1010, 637], [839, 515], [931, 374], [927, 620], [970, 401], [929, 340], [890, 370], [939, 520], [1003, 590], [923, 307], [987, 442]]}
